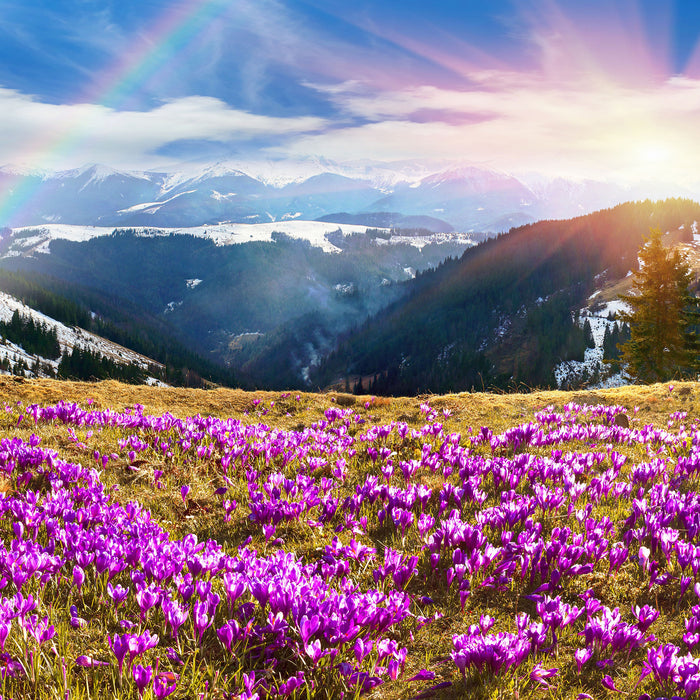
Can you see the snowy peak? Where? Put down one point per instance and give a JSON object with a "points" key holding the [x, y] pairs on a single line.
{"points": [[19, 170], [95, 173], [219, 170], [466, 196], [469, 173], [473, 180]]}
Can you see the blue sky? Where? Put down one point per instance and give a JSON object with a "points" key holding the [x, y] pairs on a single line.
{"points": [[596, 89]]}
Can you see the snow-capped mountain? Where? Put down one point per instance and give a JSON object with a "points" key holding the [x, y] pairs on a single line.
{"points": [[471, 196], [464, 197]]}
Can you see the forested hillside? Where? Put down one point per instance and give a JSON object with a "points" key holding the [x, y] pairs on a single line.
{"points": [[504, 313], [268, 310], [113, 318]]}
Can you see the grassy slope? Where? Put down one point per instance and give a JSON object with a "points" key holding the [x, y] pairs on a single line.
{"points": [[203, 514], [497, 410]]}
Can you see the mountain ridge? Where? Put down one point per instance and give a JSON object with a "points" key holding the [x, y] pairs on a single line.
{"points": [[468, 197]]}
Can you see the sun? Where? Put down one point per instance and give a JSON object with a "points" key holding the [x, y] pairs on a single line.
{"points": [[653, 153]]}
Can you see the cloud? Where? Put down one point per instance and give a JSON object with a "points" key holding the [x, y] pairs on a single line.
{"points": [[591, 127], [59, 136]]}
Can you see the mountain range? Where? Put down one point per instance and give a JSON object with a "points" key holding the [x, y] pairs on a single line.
{"points": [[445, 197], [360, 273]]}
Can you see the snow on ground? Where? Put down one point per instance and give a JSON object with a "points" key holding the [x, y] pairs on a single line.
{"points": [[68, 338], [576, 372], [615, 306], [153, 207], [421, 241], [37, 239]]}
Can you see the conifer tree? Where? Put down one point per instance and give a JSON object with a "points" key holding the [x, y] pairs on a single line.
{"points": [[663, 316]]}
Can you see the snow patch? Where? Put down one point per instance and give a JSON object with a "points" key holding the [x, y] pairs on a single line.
{"points": [[32, 239], [219, 196], [345, 290], [171, 306], [435, 238], [153, 207], [573, 372], [615, 307]]}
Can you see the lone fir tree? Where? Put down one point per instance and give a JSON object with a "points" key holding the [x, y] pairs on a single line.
{"points": [[663, 315]]}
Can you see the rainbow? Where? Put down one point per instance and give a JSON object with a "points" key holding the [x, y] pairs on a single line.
{"points": [[166, 45]]}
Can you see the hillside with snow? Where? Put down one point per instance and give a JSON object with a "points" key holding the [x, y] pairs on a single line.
{"points": [[31, 240], [300, 303], [504, 315], [15, 359], [592, 371]]}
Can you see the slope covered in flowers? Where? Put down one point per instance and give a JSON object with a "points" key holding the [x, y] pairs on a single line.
{"points": [[161, 556]]}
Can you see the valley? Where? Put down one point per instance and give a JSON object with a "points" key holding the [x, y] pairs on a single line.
{"points": [[309, 304]]}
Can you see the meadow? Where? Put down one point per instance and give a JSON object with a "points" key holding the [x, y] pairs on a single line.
{"points": [[223, 544]]}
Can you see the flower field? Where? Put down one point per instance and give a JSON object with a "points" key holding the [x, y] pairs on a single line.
{"points": [[286, 553]]}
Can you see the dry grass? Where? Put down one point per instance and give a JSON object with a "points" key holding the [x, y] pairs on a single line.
{"points": [[654, 402]]}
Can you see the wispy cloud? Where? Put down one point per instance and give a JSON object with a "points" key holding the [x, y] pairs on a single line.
{"points": [[54, 136], [594, 94]]}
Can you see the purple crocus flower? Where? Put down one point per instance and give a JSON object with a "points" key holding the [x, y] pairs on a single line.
{"points": [[147, 597], [268, 531], [175, 614], [308, 627], [423, 675], [362, 647], [645, 615], [40, 629], [164, 684], [202, 618], [119, 644], [609, 683], [142, 677], [541, 675], [314, 650], [75, 620], [78, 577], [4, 632], [581, 656], [89, 662], [228, 633], [117, 593]]}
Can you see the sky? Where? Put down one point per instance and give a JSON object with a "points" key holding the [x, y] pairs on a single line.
{"points": [[604, 89]]}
